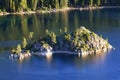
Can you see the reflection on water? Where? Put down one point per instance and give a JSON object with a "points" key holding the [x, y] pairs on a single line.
{"points": [[73, 59], [57, 60], [49, 56], [14, 27]]}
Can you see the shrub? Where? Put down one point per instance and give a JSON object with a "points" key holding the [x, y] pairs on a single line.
{"points": [[0, 11], [67, 37], [18, 49], [24, 42]]}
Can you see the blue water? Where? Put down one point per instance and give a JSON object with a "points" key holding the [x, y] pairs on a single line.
{"points": [[61, 67]]}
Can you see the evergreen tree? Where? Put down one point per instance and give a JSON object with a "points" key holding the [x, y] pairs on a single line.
{"points": [[91, 3], [34, 4], [98, 2], [18, 50], [83, 2], [42, 1], [56, 4], [24, 42], [23, 5], [75, 2], [64, 3]]}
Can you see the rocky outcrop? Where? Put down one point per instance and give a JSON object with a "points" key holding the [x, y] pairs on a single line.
{"points": [[20, 56], [81, 42]]}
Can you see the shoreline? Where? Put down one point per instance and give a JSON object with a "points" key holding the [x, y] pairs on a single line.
{"points": [[49, 53], [59, 10], [84, 53]]}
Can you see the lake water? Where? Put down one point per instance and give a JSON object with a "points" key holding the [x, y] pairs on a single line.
{"points": [[60, 67]]}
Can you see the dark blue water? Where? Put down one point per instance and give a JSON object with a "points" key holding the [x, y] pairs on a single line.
{"points": [[62, 67]]}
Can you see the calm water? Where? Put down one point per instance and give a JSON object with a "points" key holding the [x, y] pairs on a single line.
{"points": [[99, 67]]}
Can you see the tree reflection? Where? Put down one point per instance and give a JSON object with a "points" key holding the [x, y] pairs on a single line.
{"points": [[14, 27]]}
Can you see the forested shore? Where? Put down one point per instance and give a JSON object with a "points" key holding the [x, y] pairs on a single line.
{"points": [[18, 6]]}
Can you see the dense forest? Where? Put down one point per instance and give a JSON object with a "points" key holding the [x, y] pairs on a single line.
{"points": [[27, 5]]}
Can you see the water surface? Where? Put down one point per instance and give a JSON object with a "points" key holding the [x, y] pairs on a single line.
{"points": [[99, 67]]}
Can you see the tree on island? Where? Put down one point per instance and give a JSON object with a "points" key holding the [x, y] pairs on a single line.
{"points": [[24, 42]]}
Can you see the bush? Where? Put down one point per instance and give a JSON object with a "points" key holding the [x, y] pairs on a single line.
{"points": [[18, 49], [50, 8], [4, 11], [0, 11], [67, 37], [27, 9], [24, 42]]}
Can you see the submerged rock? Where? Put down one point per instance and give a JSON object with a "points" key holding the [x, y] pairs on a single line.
{"points": [[81, 42]]}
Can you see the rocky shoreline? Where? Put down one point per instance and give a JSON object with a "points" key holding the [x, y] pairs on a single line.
{"points": [[81, 42], [58, 10]]}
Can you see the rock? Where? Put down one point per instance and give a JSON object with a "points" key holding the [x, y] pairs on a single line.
{"points": [[82, 42]]}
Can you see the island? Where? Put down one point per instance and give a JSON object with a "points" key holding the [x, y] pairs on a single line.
{"points": [[81, 42]]}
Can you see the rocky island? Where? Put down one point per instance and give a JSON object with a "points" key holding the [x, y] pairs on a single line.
{"points": [[81, 42]]}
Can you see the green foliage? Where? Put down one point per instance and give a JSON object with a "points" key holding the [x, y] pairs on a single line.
{"points": [[106, 39], [52, 36], [98, 2], [79, 44], [24, 42], [27, 51], [0, 11], [18, 49], [75, 33], [92, 33], [4, 11], [85, 46], [101, 36], [61, 31], [50, 8], [47, 32], [13, 51], [34, 4], [65, 29], [46, 45], [64, 3], [91, 3], [57, 4], [67, 37], [83, 2], [21, 5], [31, 35]]}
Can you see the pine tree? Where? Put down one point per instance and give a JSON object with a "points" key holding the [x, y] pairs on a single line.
{"points": [[98, 2], [76, 1], [23, 5], [56, 4], [53, 38], [91, 3], [34, 4], [83, 2], [42, 2], [24, 42], [18, 50], [64, 3]]}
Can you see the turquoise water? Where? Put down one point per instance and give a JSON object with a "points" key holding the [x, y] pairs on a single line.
{"points": [[60, 67]]}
